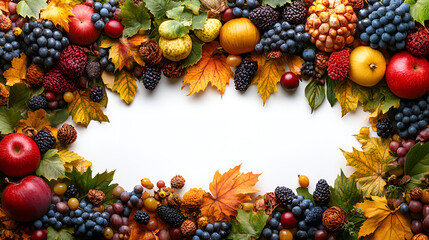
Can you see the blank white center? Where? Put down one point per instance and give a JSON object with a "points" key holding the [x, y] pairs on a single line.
{"points": [[164, 133]]}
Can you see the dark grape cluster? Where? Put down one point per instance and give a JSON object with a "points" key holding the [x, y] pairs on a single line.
{"points": [[385, 24], [43, 42], [87, 223], [105, 61], [242, 8], [412, 116], [284, 37], [9, 49], [103, 12], [308, 68], [309, 217], [215, 231]]}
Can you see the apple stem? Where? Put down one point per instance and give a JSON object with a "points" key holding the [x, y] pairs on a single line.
{"points": [[7, 180], [372, 66]]}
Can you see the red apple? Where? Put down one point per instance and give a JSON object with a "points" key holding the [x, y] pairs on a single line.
{"points": [[113, 28], [19, 155], [81, 28], [408, 76], [27, 199]]}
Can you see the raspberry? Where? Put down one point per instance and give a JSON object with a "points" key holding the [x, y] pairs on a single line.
{"points": [[339, 64]]}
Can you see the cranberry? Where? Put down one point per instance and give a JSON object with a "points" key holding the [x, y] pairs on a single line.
{"points": [[289, 81]]}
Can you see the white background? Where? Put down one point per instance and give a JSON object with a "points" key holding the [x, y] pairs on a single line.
{"points": [[165, 132]]}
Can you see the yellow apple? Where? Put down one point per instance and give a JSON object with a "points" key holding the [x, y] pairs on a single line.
{"points": [[367, 66]]}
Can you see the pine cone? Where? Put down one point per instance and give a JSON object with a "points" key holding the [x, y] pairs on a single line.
{"points": [[34, 75], [150, 52], [29, 132], [5, 22], [96, 196], [177, 182], [188, 228], [357, 4], [4, 95], [416, 193], [67, 134], [173, 70], [333, 218], [321, 61]]}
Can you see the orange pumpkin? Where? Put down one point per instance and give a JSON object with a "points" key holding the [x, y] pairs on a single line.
{"points": [[239, 36]]}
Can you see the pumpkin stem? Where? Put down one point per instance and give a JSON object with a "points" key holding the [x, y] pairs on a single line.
{"points": [[372, 66]]}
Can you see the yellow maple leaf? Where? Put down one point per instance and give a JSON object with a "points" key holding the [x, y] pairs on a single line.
{"points": [[370, 164], [125, 51], [72, 159], [16, 74], [268, 74], [350, 94], [125, 84], [59, 12], [294, 63], [228, 192], [108, 79], [211, 68], [83, 110], [36, 120], [382, 222]]}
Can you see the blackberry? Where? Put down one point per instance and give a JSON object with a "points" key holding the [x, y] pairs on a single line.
{"points": [[314, 217], [151, 77], [44, 141], [244, 74], [141, 217], [37, 102], [71, 192], [264, 17], [96, 94], [170, 216], [322, 194], [384, 128], [93, 70], [284, 195], [295, 12], [308, 68]]}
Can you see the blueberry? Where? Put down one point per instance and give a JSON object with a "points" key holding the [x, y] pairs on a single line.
{"points": [[301, 234], [274, 223], [38, 224], [57, 35], [299, 28], [290, 33], [78, 212], [285, 25], [98, 6], [266, 233], [404, 208], [98, 229], [81, 229], [67, 220], [52, 221], [58, 225], [239, 3], [259, 47], [205, 236], [302, 225], [275, 236], [89, 224], [104, 12], [245, 13], [105, 215], [216, 226], [215, 236], [199, 232], [210, 228], [64, 42], [8, 47], [37, 32], [297, 211], [195, 238], [308, 54], [236, 12], [99, 24], [95, 17], [412, 130]]}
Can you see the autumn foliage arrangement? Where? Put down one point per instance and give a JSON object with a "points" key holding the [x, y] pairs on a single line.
{"points": [[59, 57]]}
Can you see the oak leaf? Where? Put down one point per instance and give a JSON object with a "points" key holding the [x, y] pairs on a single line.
{"points": [[350, 94], [228, 192], [125, 84], [125, 51], [268, 74], [16, 74], [72, 159], [36, 120], [211, 68], [83, 109], [383, 222], [59, 12], [140, 231], [370, 164]]}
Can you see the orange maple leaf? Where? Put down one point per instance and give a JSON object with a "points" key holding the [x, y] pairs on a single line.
{"points": [[125, 51], [16, 73], [36, 120], [211, 68], [228, 192]]}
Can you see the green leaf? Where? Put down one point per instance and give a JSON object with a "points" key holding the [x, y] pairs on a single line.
{"points": [[193, 5], [51, 166], [85, 182], [19, 96], [57, 117], [175, 13], [330, 90], [63, 234], [417, 164], [195, 54], [305, 193], [275, 3], [134, 18], [159, 8], [175, 28], [315, 94], [9, 119], [198, 21], [381, 99], [345, 192], [30, 8], [419, 10], [186, 18], [248, 225]]}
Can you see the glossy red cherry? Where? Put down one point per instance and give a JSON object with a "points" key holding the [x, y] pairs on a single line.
{"points": [[288, 220], [39, 235], [289, 81], [227, 15], [113, 28]]}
